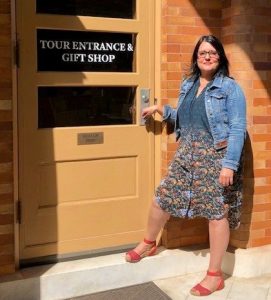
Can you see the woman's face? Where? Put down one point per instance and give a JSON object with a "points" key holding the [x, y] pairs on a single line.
{"points": [[208, 59]]}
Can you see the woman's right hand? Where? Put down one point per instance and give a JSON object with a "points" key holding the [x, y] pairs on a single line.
{"points": [[148, 111]]}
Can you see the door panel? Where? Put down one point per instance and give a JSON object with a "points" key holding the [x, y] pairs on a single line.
{"points": [[86, 171]]}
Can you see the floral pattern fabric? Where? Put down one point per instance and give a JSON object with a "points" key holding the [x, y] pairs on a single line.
{"points": [[191, 188]]}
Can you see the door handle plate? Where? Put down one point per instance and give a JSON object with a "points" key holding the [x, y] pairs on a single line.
{"points": [[144, 102]]}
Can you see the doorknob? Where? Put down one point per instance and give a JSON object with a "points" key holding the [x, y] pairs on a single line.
{"points": [[144, 102]]}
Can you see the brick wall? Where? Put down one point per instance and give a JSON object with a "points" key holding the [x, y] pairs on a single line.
{"points": [[6, 155], [244, 28], [247, 36]]}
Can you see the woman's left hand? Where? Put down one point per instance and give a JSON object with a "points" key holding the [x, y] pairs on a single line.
{"points": [[226, 177]]}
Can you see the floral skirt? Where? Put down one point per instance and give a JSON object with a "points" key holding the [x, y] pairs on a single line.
{"points": [[191, 188]]}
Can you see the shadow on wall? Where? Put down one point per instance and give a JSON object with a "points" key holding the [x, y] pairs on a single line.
{"points": [[240, 237]]}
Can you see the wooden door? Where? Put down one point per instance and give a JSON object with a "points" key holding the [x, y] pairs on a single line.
{"points": [[86, 161]]}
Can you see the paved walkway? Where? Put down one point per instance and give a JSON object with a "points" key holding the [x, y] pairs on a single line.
{"points": [[177, 288], [258, 288]]}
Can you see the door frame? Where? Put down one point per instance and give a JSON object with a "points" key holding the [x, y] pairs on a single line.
{"points": [[15, 121], [14, 60]]}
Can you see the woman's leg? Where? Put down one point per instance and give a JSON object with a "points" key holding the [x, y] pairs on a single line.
{"points": [[156, 220], [219, 234]]}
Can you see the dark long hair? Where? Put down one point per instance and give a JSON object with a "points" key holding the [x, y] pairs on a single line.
{"points": [[223, 67]]}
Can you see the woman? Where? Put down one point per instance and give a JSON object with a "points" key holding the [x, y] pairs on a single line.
{"points": [[204, 178]]}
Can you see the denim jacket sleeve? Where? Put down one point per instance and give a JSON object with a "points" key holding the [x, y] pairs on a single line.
{"points": [[236, 108], [169, 114]]}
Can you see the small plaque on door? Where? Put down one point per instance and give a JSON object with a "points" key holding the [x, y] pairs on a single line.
{"points": [[90, 138]]}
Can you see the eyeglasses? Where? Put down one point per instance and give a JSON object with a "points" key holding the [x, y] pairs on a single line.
{"points": [[212, 54]]}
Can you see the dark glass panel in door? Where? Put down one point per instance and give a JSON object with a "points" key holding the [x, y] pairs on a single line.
{"points": [[124, 9], [85, 106]]}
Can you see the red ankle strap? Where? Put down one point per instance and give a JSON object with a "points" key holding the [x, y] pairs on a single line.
{"points": [[217, 273], [149, 242]]}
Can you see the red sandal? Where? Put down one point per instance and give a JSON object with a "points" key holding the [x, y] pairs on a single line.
{"points": [[133, 257], [199, 290]]}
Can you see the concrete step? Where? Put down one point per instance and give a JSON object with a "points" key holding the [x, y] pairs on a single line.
{"points": [[80, 277], [85, 276]]}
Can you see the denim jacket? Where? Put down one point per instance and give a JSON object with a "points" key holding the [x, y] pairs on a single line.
{"points": [[226, 112]]}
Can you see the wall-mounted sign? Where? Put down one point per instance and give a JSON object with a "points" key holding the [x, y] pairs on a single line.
{"points": [[71, 51]]}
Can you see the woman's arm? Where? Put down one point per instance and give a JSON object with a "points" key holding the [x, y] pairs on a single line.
{"points": [[148, 111], [167, 112], [236, 107]]}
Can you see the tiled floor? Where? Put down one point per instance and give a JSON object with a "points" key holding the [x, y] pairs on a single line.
{"points": [[235, 288]]}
